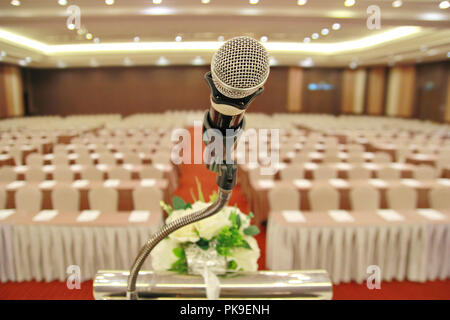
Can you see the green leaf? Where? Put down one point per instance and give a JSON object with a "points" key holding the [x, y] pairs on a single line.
{"points": [[251, 231], [178, 203], [179, 252], [251, 215], [193, 195], [232, 265], [203, 244], [188, 206], [245, 245], [238, 221], [199, 190], [167, 208]]}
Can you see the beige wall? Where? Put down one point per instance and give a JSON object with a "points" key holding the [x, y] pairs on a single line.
{"points": [[401, 91], [11, 97]]}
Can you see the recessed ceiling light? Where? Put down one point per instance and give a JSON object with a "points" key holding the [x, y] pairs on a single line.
{"points": [[15, 3], [71, 26], [81, 31], [206, 1], [162, 61], [198, 61], [89, 36], [448, 54], [127, 62], [61, 64], [432, 52], [307, 63], [136, 39], [96, 40], [307, 40], [397, 3], [253, 1], [2, 53], [157, 1], [109, 2], [273, 61], [325, 31], [349, 3], [353, 65], [93, 63], [336, 26], [22, 62], [444, 4], [220, 38], [264, 39], [62, 2], [315, 36], [178, 38], [302, 2], [28, 59]]}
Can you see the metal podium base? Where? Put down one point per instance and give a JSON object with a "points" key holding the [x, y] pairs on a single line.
{"points": [[309, 284]]}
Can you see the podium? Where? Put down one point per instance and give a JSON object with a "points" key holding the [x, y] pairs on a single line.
{"points": [[293, 284]]}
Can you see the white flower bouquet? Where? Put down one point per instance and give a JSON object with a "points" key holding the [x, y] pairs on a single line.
{"points": [[224, 242]]}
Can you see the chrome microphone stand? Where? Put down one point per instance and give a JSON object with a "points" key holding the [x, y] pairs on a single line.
{"points": [[226, 170]]}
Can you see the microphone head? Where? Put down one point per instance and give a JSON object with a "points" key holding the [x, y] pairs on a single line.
{"points": [[240, 67]]}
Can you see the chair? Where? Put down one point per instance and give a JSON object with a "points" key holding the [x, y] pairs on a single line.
{"points": [[60, 149], [355, 148], [359, 173], [2, 198], [300, 158], [65, 198], [331, 158], [284, 198], [84, 159], [292, 172], [365, 198], [35, 174], [92, 174], [402, 198], [388, 173], [439, 198], [103, 199], [35, 159], [29, 199], [119, 173], [132, 158], [145, 198], [355, 158], [161, 157], [323, 198], [424, 172], [107, 158], [150, 172], [60, 159], [63, 174], [7, 174], [381, 158], [324, 173]]}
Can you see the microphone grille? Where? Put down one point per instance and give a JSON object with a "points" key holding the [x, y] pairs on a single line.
{"points": [[240, 67]]}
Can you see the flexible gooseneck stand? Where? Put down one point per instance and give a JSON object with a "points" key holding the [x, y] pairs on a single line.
{"points": [[226, 181]]}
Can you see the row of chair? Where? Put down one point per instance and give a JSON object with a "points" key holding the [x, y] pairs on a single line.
{"points": [[357, 172], [90, 172], [66, 198], [362, 198]]}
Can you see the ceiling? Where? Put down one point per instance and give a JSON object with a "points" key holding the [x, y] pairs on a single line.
{"points": [[35, 33]]}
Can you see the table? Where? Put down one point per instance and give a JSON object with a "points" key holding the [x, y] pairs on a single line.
{"points": [[415, 248], [420, 158], [125, 190], [259, 202], [42, 250]]}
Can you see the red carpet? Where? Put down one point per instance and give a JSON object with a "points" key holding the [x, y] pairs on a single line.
{"points": [[389, 290]]}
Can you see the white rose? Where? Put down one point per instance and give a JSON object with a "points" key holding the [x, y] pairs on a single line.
{"points": [[189, 232], [246, 259], [210, 227], [163, 256]]}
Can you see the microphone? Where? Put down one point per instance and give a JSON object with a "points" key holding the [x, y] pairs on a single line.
{"points": [[239, 70]]}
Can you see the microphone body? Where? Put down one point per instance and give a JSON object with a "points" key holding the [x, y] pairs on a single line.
{"points": [[239, 70]]}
